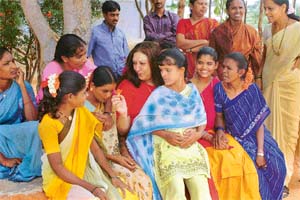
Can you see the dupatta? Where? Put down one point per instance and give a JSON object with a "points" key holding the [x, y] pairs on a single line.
{"points": [[74, 150], [164, 109]]}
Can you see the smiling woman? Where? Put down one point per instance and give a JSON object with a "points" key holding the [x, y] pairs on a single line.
{"points": [[281, 78], [70, 54], [235, 36]]}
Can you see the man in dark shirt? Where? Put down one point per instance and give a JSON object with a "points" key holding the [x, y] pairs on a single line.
{"points": [[161, 24]]}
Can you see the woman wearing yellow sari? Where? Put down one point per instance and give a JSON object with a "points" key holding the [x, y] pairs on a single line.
{"points": [[72, 159], [281, 79]]}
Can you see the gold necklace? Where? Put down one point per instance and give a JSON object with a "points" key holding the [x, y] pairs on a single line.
{"points": [[64, 118], [277, 52]]}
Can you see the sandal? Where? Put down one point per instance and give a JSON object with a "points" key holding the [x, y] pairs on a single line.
{"points": [[286, 192]]}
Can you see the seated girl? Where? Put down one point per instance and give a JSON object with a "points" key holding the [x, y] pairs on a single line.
{"points": [[101, 89], [232, 169], [72, 159], [241, 110], [163, 137], [20, 146]]}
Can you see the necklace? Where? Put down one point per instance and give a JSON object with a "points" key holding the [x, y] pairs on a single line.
{"points": [[64, 118], [277, 52]]}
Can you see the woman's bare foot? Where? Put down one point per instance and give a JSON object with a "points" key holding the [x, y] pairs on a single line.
{"points": [[9, 162]]}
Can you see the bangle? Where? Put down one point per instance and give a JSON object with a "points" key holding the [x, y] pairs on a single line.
{"points": [[114, 177], [258, 77], [260, 154], [108, 113], [94, 189], [219, 128]]}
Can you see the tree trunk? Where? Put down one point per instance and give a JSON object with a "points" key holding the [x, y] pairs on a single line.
{"points": [[209, 8], [181, 6], [260, 19], [77, 17], [138, 7], [294, 4], [45, 35]]}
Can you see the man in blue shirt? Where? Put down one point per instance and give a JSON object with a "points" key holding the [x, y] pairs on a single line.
{"points": [[108, 45]]}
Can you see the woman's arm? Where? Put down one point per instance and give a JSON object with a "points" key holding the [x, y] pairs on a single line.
{"points": [[191, 136], [102, 161], [189, 45], [172, 138], [58, 167], [220, 140], [297, 63], [260, 159], [122, 160], [30, 111], [123, 120]]}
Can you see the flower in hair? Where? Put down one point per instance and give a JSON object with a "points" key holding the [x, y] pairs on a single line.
{"points": [[53, 84], [88, 78]]}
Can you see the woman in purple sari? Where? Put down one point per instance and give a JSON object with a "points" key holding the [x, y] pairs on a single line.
{"points": [[241, 111]]}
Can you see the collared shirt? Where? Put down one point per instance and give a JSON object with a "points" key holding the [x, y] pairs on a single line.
{"points": [[108, 48], [161, 28]]}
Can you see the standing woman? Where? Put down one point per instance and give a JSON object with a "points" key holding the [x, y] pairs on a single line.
{"points": [[281, 78], [20, 150], [241, 111], [235, 36], [194, 33]]}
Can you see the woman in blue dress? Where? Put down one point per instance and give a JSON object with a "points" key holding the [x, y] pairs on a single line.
{"points": [[241, 111], [20, 146]]}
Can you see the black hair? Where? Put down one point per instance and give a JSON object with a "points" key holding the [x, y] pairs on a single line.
{"points": [[240, 59], [102, 75], [168, 55], [3, 50], [208, 51], [151, 50], [192, 2], [67, 46], [69, 82], [166, 45], [228, 2], [110, 6], [286, 2]]}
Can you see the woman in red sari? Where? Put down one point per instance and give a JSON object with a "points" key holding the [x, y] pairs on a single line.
{"points": [[194, 33]]}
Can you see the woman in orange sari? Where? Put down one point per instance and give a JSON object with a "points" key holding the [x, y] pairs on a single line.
{"points": [[194, 33], [235, 36]]}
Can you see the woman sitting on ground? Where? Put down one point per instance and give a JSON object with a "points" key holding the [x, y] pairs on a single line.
{"points": [[20, 146]]}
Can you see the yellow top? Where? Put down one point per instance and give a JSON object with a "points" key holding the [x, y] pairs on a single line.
{"points": [[74, 148]]}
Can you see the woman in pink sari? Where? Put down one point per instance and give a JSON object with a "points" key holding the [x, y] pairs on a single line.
{"points": [[194, 33]]}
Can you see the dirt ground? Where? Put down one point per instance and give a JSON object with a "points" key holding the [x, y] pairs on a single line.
{"points": [[33, 190]]}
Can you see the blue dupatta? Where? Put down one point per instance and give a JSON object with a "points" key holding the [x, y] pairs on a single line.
{"points": [[18, 139], [164, 109]]}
